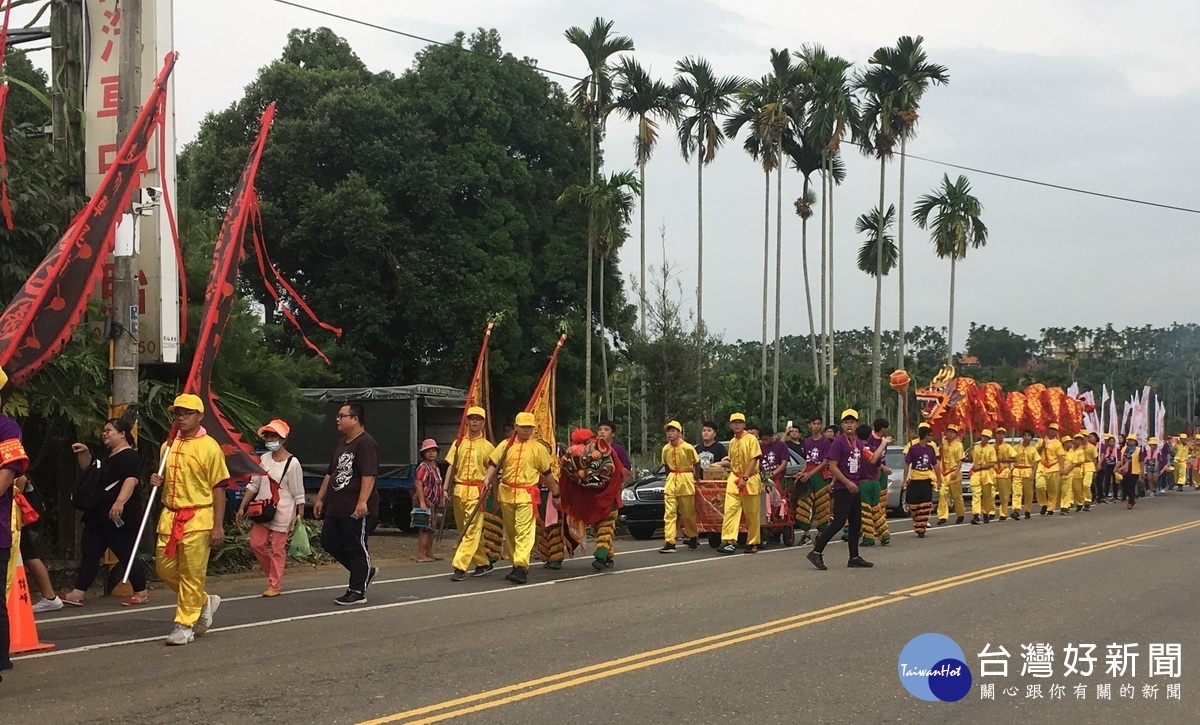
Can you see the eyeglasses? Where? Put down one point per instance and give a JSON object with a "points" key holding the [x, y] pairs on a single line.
{"points": [[184, 413], [339, 416]]}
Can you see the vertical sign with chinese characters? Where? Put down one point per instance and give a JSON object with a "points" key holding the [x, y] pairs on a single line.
{"points": [[158, 278]]}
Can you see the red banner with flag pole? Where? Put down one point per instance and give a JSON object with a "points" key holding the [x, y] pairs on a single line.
{"points": [[48, 308], [477, 391]]}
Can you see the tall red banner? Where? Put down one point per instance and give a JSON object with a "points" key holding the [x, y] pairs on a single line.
{"points": [[44, 313]]}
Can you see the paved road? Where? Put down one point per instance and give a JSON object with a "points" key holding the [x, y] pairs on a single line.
{"points": [[690, 637]]}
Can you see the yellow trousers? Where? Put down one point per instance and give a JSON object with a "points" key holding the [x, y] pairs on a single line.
{"points": [[1077, 498], [1089, 478], [983, 499], [951, 487], [1180, 474], [469, 549], [735, 505], [185, 574], [520, 528], [1048, 485], [1005, 487], [676, 508], [1022, 493]]}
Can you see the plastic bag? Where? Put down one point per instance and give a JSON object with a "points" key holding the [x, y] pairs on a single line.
{"points": [[299, 546]]}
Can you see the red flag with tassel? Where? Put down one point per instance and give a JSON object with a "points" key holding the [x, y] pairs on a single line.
{"points": [[44, 313]]}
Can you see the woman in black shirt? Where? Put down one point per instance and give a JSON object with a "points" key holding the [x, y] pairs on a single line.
{"points": [[112, 522]]}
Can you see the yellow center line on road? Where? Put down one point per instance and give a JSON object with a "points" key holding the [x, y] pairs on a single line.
{"points": [[553, 683]]}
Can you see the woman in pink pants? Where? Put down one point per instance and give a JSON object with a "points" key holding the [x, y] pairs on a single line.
{"points": [[284, 483]]}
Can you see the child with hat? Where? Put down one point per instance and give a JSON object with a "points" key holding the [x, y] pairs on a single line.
{"points": [[429, 497]]}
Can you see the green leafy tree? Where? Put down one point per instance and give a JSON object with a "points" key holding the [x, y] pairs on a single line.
{"points": [[877, 257], [956, 227]]}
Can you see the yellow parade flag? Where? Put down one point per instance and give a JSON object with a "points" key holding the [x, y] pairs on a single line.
{"points": [[542, 405], [478, 392]]}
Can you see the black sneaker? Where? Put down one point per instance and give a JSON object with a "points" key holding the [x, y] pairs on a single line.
{"points": [[1026, 514], [598, 564], [987, 518], [942, 522], [1078, 508], [1064, 512], [1043, 512], [518, 575], [351, 597], [667, 548], [817, 560], [370, 577], [859, 563], [458, 575], [959, 520], [610, 563], [1087, 507], [483, 570], [920, 534], [692, 543], [552, 565], [975, 520]]}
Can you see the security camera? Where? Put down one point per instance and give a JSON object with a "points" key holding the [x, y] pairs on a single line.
{"points": [[152, 194]]}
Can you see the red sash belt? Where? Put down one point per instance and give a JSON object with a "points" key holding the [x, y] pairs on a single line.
{"points": [[534, 492], [182, 516]]}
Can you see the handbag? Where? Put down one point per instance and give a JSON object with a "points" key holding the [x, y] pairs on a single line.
{"points": [[89, 491], [262, 510]]}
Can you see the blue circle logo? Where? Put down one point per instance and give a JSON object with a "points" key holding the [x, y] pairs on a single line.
{"points": [[933, 668]]}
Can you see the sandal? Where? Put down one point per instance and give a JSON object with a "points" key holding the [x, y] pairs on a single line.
{"points": [[132, 602], [72, 602]]}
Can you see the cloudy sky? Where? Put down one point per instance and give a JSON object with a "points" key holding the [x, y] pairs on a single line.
{"points": [[1095, 94]]}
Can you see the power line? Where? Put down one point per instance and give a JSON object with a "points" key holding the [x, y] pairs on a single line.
{"points": [[547, 71]]}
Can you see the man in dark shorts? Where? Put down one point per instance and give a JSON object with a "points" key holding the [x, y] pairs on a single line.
{"points": [[350, 503]]}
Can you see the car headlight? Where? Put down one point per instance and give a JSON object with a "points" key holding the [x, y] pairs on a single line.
{"points": [[627, 494]]}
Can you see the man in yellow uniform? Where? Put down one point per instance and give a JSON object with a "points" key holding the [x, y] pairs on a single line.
{"points": [[1073, 477], [679, 493], [1090, 454], [742, 488], [1006, 455], [521, 463], [983, 478], [192, 518], [467, 466], [1051, 464], [1180, 463], [1024, 465], [952, 455]]}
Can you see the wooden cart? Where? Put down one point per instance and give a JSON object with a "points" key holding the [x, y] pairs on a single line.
{"points": [[710, 511]]}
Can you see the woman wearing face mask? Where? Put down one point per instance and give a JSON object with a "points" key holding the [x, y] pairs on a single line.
{"points": [[284, 484]]}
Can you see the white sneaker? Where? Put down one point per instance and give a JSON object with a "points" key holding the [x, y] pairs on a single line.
{"points": [[180, 635], [48, 605], [206, 614]]}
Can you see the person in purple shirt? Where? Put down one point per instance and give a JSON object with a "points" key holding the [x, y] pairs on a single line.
{"points": [[608, 430], [921, 473], [845, 457], [774, 461], [13, 463], [811, 495]]}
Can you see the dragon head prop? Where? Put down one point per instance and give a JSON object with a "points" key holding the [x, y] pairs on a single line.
{"points": [[939, 397]]}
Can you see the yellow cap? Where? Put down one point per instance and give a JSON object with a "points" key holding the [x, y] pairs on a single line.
{"points": [[1131, 437], [1080, 436], [673, 424], [1109, 437], [476, 410], [849, 413], [1182, 436], [3, 378], [924, 426], [737, 416], [526, 418], [1153, 441], [187, 401], [1053, 426], [952, 428], [986, 433], [1002, 429]]}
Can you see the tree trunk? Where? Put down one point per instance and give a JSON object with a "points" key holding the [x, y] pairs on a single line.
{"points": [[66, 41], [812, 335], [608, 401], [824, 281], [832, 329], [900, 256], [700, 275], [778, 280], [642, 296], [950, 329], [765, 288], [877, 362], [591, 328]]}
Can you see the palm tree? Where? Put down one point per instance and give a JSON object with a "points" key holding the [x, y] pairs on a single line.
{"points": [[589, 97], [956, 228], [610, 207], [877, 257], [876, 135], [908, 74], [645, 100], [832, 112], [707, 97], [807, 159]]}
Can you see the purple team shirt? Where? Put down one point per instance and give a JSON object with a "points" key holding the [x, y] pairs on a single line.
{"points": [[921, 457], [848, 456], [622, 455], [773, 454], [869, 471], [815, 448]]}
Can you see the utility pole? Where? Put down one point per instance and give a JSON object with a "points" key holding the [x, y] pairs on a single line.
{"points": [[66, 42], [125, 267]]}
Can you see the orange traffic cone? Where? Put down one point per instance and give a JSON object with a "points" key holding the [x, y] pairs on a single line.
{"points": [[22, 631]]}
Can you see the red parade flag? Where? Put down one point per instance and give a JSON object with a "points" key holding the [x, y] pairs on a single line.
{"points": [[44, 313]]}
